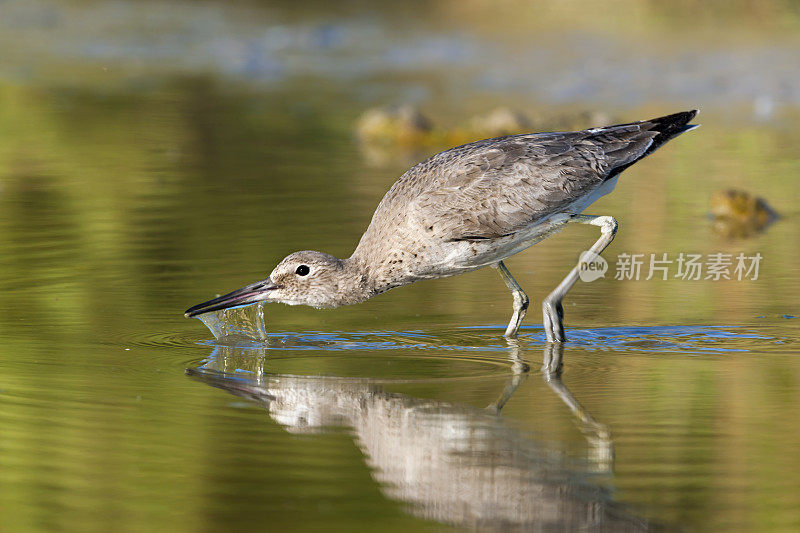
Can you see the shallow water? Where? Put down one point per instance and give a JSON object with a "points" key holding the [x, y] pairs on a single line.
{"points": [[434, 441], [131, 193]]}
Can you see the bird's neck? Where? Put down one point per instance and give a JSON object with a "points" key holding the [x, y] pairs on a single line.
{"points": [[355, 285], [375, 277]]}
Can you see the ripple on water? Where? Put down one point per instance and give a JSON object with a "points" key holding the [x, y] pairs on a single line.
{"points": [[424, 356], [368, 341], [154, 339], [693, 340], [689, 340], [376, 367], [244, 326], [242, 345]]}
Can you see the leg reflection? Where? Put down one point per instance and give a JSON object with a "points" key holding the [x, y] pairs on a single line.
{"points": [[520, 372], [598, 435], [601, 454]]}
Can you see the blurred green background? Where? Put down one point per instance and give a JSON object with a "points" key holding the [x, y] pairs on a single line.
{"points": [[153, 154]]}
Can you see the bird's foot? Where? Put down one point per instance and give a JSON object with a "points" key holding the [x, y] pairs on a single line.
{"points": [[553, 313]]}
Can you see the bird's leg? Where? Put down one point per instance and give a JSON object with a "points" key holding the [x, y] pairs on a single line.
{"points": [[520, 300], [552, 310]]}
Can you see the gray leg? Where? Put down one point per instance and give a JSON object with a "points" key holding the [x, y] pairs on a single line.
{"points": [[520, 300], [551, 307]]}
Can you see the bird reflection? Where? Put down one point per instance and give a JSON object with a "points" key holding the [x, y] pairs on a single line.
{"points": [[453, 464]]}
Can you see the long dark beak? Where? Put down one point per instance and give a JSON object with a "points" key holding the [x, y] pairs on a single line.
{"points": [[246, 295]]}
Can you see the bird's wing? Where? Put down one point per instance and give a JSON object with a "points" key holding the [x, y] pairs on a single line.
{"points": [[497, 187]]}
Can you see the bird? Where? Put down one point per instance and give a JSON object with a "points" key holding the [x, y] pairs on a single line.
{"points": [[470, 207]]}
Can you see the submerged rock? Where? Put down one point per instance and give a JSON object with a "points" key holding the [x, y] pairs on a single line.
{"points": [[738, 214], [500, 121], [404, 125]]}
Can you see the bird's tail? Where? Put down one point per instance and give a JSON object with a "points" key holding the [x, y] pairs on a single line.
{"points": [[641, 139], [668, 127]]}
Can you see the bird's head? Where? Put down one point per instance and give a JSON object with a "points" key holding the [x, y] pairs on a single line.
{"points": [[308, 278]]}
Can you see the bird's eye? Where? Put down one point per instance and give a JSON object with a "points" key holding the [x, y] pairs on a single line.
{"points": [[302, 270]]}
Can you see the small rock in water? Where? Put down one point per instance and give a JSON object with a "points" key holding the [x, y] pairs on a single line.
{"points": [[739, 214], [237, 324], [500, 121], [404, 125]]}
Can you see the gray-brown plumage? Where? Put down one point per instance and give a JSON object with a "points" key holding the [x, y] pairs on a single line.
{"points": [[469, 207]]}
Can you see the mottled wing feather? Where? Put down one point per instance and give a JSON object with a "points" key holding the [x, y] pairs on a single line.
{"points": [[499, 186]]}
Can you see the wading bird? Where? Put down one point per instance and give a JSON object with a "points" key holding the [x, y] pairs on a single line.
{"points": [[469, 207]]}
